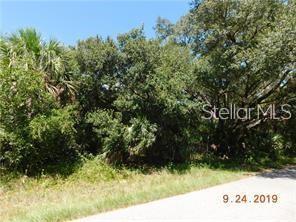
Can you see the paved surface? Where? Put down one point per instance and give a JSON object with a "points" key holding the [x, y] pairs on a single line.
{"points": [[207, 205]]}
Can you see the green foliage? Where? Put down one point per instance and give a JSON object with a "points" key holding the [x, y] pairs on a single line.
{"points": [[120, 142], [99, 62], [22, 97], [60, 121], [155, 85], [14, 151], [140, 136], [54, 134], [246, 57], [136, 80], [138, 100], [25, 50], [109, 130], [35, 130]]}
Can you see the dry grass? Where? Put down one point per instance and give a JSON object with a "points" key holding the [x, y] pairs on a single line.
{"points": [[96, 187]]}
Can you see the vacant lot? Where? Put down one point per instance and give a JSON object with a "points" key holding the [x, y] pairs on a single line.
{"points": [[95, 187]]}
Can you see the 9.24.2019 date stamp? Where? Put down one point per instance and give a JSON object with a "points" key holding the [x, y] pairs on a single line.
{"points": [[256, 198]]}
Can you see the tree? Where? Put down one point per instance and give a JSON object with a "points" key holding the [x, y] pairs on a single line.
{"points": [[246, 56], [143, 82], [26, 50], [36, 129], [163, 28], [153, 86]]}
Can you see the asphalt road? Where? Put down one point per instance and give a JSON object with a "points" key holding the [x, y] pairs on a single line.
{"points": [[207, 205]]}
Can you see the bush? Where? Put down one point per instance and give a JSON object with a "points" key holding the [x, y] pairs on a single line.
{"points": [[54, 135], [15, 151], [22, 96], [140, 136], [139, 99], [35, 132], [110, 132], [119, 142]]}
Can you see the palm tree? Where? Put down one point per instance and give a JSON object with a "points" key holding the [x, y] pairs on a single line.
{"points": [[26, 50]]}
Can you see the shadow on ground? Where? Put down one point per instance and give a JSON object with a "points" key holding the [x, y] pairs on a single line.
{"points": [[289, 172]]}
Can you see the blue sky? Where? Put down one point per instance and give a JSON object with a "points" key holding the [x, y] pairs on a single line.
{"points": [[70, 20]]}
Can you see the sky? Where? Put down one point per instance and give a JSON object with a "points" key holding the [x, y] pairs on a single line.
{"points": [[71, 20]]}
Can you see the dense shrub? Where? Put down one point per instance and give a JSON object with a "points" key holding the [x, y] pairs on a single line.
{"points": [[119, 142], [141, 135], [245, 52], [143, 85], [109, 130], [154, 85], [34, 131], [54, 135], [138, 100]]}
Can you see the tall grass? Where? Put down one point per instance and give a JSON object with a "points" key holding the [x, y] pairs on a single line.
{"points": [[95, 187]]}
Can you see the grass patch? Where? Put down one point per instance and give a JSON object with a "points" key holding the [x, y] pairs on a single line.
{"points": [[95, 187]]}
